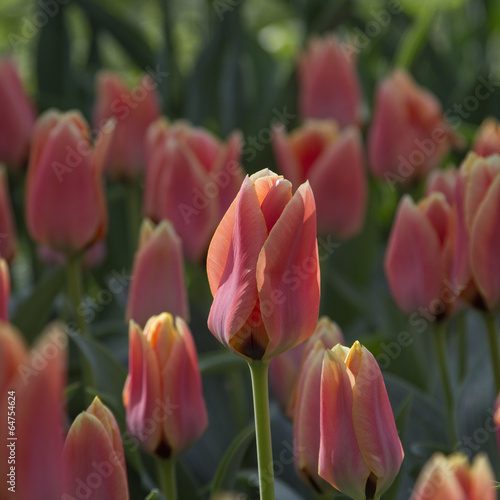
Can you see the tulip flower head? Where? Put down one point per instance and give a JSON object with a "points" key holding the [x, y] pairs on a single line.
{"points": [[360, 451], [443, 181], [7, 227], [263, 269], [487, 139]]}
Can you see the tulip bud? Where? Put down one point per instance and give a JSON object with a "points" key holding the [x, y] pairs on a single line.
{"points": [[452, 477], [133, 111], [7, 228], [94, 462], [18, 117], [332, 161], [418, 261], [360, 451], [443, 181], [65, 205], [328, 84], [487, 139], [263, 269], [4, 291], [13, 351], [158, 275], [408, 136], [164, 415], [191, 179]]}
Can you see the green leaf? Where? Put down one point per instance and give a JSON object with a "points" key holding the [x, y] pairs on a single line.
{"points": [[230, 464], [220, 362], [33, 311], [153, 495]]}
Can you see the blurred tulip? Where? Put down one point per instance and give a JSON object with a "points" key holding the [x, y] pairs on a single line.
{"points": [[92, 257], [332, 161], [157, 275], [4, 291], [13, 351], [328, 84], [443, 181], [408, 136], [360, 451], [7, 227], [419, 258], [65, 205], [307, 404], [477, 266], [191, 179], [452, 477], [163, 395], [263, 269], [134, 110], [18, 117], [94, 461], [496, 418], [38, 386], [487, 139]]}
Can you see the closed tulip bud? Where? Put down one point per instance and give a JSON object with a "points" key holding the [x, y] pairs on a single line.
{"points": [[164, 415], [328, 84], [158, 275], [418, 261], [263, 269], [94, 462], [134, 110], [443, 181], [307, 404], [360, 451], [4, 290], [408, 136], [65, 205], [487, 139], [13, 351], [453, 478], [332, 161], [191, 179], [18, 117]]}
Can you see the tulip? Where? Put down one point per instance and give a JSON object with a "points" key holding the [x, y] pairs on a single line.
{"points": [[4, 291], [94, 462], [418, 260], [134, 111], [328, 84], [263, 269], [163, 396], [18, 117], [332, 161], [443, 181], [158, 275], [496, 418], [307, 404], [93, 256], [65, 205], [487, 139], [13, 351], [453, 478], [408, 136], [7, 228], [360, 451], [37, 385], [191, 179]]}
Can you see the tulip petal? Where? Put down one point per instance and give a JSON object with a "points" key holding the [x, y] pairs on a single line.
{"points": [[285, 156], [13, 351], [482, 479]]}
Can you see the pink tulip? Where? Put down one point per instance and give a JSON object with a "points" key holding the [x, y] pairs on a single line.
{"points": [[332, 161], [418, 261], [443, 181], [191, 179], [65, 205], [477, 246], [328, 84], [452, 477], [134, 110], [4, 291], [94, 462], [360, 451], [307, 404], [408, 136], [487, 139], [37, 386], [263, 269], [163, 395], [158, 275], [7, 227], [18, 117], [13, 352]]}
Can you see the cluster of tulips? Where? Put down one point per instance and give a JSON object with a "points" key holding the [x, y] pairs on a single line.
{"points": [[258, 236]]}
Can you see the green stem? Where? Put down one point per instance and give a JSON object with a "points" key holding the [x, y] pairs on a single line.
{"points": [[134, 215], [239, 401], [74, 280], [259, 373], [167, 478], [440, 339], [491, 325], [462, 345]]}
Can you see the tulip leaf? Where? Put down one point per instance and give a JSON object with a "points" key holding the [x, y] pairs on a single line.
{"points": [[220, 361], [153, 495], [33, 311], [225, 476]]}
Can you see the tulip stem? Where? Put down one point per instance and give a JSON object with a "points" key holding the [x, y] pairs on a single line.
{"points": [[260, 388], [462, 345], [491, 325], [167, 478], [134, 215], [440, 339], [74, 279]]}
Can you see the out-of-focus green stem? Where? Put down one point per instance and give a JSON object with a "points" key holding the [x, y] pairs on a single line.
{"points": [[74, 280], [462, 345], [491, 325], [167, 478]]}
